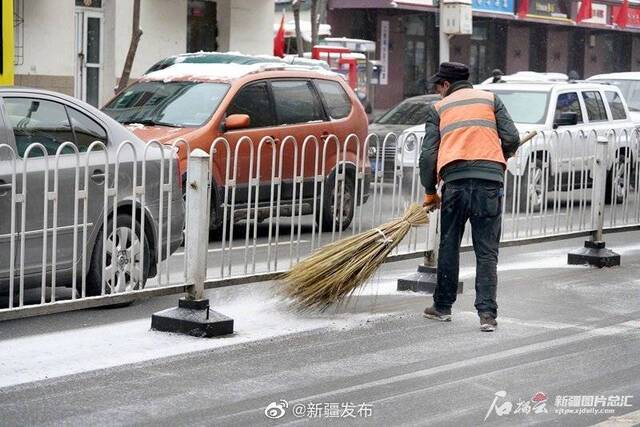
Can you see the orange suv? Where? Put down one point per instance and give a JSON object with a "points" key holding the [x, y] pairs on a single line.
{"points": [[278, 107]]}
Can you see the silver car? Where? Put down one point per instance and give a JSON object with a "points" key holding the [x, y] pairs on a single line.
{"points": [[65, 173]]}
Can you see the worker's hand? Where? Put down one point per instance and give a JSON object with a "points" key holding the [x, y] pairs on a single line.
{"points": [[431, 202]]}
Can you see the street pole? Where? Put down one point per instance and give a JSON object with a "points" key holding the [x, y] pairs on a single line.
{"points": [[444, 38], [193, 316], [595, 252], [197, 239]]}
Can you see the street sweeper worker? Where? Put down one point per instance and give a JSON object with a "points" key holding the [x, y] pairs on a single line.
{"points": [[469, 135]]}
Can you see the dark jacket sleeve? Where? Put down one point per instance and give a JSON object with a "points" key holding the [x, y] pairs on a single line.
{"points": [[509, 135], [429, 153]]}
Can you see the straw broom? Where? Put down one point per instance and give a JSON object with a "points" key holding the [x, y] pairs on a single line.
{"points": [[335, 271]]}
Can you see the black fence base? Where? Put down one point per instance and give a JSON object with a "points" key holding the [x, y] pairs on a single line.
{"points": [[595, 254], [192, 317], [424, 280]]}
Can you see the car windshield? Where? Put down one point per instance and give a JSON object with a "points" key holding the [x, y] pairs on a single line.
{"points": [[177, 104], [630, 90], [408, 113], [525, 106]]}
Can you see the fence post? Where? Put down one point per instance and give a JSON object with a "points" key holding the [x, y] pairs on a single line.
{"points": [[193, 315], [594, 251], [426, 278]]}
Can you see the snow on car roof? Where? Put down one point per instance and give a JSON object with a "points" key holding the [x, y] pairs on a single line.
{"points": [[629, 75], [222, 72], [541, 86]]}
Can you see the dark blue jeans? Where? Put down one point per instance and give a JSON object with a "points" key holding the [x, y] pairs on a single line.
{"points": [[479, 201]]}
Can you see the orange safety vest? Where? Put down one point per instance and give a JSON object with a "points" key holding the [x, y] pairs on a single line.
{"points": [[468, 128]]}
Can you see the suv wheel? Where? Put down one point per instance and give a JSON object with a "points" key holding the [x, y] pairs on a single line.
{"points": [[342, 217], [532, 189], [620, 180]]}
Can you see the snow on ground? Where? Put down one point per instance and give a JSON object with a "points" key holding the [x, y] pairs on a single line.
{"points": [[257, 314], [385, 282]]}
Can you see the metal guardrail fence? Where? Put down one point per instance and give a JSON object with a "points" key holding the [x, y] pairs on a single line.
{"points": [[108, 222]]}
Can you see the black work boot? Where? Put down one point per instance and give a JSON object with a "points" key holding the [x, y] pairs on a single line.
{"points": [[487, 322], [441, 314]]}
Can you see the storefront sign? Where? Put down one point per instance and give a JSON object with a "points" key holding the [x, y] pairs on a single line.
{"points": [[599, 12], [550, 8], [634, 16], [504, 6], [384, 52]]}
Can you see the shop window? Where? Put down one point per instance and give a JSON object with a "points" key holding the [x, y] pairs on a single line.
{"points": [[202, 28], [595, 106], [415, 55], [568, 102], [486, 49], [254, 101], [616, 105]]}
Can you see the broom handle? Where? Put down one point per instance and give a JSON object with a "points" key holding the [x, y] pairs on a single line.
{"points": [[529, 137]]}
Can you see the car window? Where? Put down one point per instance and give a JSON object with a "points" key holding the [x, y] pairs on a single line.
{"points": [[630, 90], [568, 102], [595, 107], [295, 102], [525, 106], [616, 105], [38, 121], [409, 113], [177, 104], [254, 101], [86, 130], [335, 98]]}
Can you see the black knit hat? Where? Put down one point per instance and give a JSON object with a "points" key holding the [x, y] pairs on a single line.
{"points": [[451, 72]]}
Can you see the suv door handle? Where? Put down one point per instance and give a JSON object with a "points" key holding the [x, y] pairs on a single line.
{"points": [[5, 187], [97, 176]]}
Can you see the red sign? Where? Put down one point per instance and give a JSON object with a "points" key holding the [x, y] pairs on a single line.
{"points": [[633, 20]]}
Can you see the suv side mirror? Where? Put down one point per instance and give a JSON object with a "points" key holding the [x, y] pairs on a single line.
{"points": [[568, 118], [236, 121]]}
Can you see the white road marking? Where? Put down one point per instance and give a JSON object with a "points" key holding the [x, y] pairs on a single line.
{"points": [[619, 328]]}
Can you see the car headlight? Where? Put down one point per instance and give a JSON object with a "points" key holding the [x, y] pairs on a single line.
{"points": [[410, 143]]}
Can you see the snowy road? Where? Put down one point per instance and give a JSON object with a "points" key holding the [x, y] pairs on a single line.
{"points": [[564, 331]]}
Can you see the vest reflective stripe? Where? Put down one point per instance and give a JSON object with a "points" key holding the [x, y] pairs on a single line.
{"points": [[468, 129], [467, 123], [466, 102]]}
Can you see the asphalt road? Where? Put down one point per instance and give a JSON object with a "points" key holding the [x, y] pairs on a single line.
{"points": [[563, 331]]}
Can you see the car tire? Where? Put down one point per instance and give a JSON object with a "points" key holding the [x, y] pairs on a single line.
{"points": [[341, 221], [128, 258], [616, 190], [531, 181]]}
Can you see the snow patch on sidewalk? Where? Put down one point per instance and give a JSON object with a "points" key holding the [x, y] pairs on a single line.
{"points": [[386, 282], [257, 314]]}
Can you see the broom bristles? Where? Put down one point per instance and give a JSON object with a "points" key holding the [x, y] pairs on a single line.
{"points": [[332, 273]]}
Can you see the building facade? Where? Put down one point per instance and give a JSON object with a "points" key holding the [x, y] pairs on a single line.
{"points": [[78, 47], [546, 38]]}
